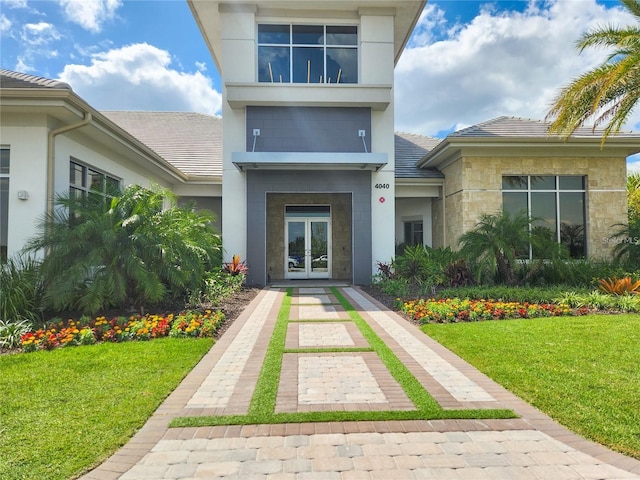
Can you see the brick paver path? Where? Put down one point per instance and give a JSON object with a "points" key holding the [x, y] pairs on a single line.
{"points": [[327, 376]]}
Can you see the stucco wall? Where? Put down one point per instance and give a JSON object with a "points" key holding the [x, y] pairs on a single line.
{"points": [[474, 187]]}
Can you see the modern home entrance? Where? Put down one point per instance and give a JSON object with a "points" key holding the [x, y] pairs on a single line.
{"points": [[308, 241]]}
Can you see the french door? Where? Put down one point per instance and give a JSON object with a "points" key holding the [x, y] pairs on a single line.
{"points": [[308, 245]]}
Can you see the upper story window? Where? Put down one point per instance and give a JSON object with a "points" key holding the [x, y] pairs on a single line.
{"points": [[307, 53], [85, 180]]}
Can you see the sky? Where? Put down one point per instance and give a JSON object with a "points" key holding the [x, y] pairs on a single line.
{"points": [[466, 62]]}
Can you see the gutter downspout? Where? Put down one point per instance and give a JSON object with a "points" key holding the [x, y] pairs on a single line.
{"points": [[51, 156], [444, 216]]}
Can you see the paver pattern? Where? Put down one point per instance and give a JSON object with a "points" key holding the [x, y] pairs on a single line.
{"points": [[332, 378]]}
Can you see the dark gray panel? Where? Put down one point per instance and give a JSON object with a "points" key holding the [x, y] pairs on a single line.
{"points": [[259, 183], [308, 129]]}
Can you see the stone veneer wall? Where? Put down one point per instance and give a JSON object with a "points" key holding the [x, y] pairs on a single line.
{"points": [[473, 186]]}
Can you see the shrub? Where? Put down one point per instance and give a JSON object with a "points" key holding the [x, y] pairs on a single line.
{"points": [[129, 251], [20, 290], [619, 286], [11, 333]]}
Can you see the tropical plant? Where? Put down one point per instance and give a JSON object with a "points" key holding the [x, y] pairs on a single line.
{"points": [[423, 265], [20, 289], [125, 251], [499, 241], [619, 286], [608, 93], [11, 333], [236, 267], [627, 237]]}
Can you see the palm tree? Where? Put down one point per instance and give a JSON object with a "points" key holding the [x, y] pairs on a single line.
{"points": [[498, 241], [627, 237], [608, 93], [125, 251]]}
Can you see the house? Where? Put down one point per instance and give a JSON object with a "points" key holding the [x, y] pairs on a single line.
{"points": [[52, 141], [307, 178], [314, 186]]}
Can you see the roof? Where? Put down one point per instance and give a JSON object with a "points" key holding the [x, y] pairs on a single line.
{"points": [[518, 132], [11, 79], [525, 128], [191, 142], [409, 148]]}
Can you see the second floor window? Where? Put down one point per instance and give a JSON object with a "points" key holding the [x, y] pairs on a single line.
{"points": [[307, 53]]}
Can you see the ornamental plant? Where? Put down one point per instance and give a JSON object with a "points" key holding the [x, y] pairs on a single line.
{"points": [[465, 310], [87, 331]]}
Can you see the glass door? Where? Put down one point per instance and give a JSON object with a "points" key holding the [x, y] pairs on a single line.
{"points": [[308, 243]]}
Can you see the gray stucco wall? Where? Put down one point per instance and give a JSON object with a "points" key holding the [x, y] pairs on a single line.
{"points": [[261, 182], [308, 129]]}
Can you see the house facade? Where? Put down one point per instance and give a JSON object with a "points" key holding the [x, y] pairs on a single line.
{"points": [[308, 138], [303, 169]]}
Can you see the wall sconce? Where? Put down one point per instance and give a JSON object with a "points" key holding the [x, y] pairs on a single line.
{"points": [[23, 195]]}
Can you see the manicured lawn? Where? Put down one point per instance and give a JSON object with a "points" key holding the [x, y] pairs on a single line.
{"points": [[582, 371], [64, 411]]}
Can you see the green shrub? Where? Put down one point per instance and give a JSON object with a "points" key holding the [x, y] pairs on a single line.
{"points": [[507, 294], [216, 287], [20, 290], [11, 333]]}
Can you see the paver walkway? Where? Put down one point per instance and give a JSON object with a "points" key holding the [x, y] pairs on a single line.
{"points": [[349, 378]]}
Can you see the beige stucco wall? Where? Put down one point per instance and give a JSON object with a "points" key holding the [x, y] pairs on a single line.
{"points": [[473, 187]]}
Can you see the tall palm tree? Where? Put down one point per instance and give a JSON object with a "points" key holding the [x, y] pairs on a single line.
{"points": [[607, 94]]}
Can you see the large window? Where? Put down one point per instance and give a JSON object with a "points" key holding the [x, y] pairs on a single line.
{"points": [[307, 53], [557, 202], [85, 180], [4, 201]]}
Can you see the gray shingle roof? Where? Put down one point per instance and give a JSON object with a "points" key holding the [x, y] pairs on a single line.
{"points": [[409, 148], [191, 142], [522, 127], [11, 79]]}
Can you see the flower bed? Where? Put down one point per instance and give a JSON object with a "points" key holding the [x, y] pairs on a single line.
{"points": [[464, 310], [87, 331]]}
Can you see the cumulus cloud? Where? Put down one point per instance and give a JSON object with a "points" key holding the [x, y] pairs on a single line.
{"points": [[501, 63], [140, 77], [90, 14], [39, 34]]}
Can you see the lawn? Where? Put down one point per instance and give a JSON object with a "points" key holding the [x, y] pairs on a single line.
{"points": [[582, 371], [64, 411]]}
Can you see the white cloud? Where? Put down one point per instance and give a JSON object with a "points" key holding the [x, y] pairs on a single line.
{"points": [[5, 25], [501, 63], [39, 34], [139, 77], [633, 164], [15, 3], [90, 14]]}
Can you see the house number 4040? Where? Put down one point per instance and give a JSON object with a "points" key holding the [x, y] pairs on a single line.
{"points": [[382, 185]]}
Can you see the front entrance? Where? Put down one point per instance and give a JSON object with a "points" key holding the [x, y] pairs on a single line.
{"points": [[308, 242]]}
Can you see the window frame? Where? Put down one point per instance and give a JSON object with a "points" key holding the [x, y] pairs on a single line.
{"points": [[293, 47], [557, 190], [86, 186], [410, 231], [4, 205]]}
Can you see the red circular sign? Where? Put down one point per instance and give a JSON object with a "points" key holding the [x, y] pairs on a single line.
{"points": [[381, 200]]}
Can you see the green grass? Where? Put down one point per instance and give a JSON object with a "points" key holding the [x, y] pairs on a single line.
{"points": [[263, 402], [64, 411], [582, 371]]}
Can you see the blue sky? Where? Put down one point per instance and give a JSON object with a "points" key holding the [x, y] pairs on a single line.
{"points": [[468, 61]]}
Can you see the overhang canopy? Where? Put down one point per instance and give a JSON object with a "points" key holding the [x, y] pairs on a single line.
{"points": [[308, 161]]}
